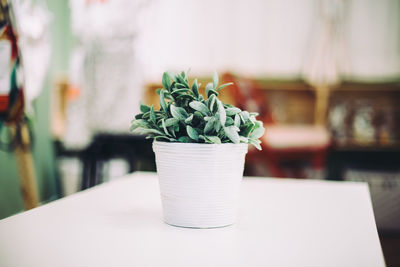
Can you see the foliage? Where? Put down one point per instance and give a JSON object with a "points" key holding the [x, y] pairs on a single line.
{"points": [[187, 116]]}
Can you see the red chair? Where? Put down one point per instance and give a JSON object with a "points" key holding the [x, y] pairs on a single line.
{"points": [[280, 143]]}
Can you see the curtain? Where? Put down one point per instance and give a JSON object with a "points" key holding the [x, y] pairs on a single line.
{"points": [[271, 38]]}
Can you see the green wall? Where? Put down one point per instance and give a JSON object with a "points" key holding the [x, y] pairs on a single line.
{"points": [[43, 154]]}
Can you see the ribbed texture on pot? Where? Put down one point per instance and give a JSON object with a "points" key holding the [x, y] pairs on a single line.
{"points": [[199, 183]]}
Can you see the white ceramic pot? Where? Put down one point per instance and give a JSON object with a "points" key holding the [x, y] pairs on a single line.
{"points": [[199, 183]]}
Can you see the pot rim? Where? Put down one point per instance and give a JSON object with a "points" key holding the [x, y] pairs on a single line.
{"points": [[197, 144]]}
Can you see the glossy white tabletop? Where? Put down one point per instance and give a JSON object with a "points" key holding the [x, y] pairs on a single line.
{"points": [[282, 222]]}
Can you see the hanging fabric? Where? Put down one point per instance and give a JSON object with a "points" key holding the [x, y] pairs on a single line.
{"points": [[12, 113], [32, 21], [104, 68], [11, 90]]}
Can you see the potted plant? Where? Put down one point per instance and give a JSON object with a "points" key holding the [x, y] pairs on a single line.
{"points": [[200, 145]]}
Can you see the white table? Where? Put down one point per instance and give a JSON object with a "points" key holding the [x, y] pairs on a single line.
{"points": [[282, 222]]}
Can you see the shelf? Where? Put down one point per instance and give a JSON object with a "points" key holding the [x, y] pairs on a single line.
{"points": [[371, 146]]}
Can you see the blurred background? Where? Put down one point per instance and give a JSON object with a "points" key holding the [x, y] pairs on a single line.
{"points": [[323, 74]]}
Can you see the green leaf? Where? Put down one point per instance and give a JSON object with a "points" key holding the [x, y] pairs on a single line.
{"points": [[148, 131], [179, 85], [209, 87], [166, 82], [258, 131], [161, 137], [164, 127], [159, 114], [167, 95], [146, 115], [158, 90], [195, 88], [152, 115], [223, 86], [182, 80], [244, 139], [241, 118], [217, 125], [221, 113], [144, 108], [228, 106], [229, 121], [255, 114], [192, 133], [198, 117], [232, 134], [237, 120], [162, 101], [178, 113], [172, 131], [170, 122], [213, 139], [182, 90], [215, 79], [138, 123], [189, 119], [197, 105], [232, 111], [255, 143], [188, 97], [212, 92], [245, 115], [247, 129], [184, 139], [236, 128], [209, 126], [212, 102], [172, 76], [211, 122], [222, 136]]}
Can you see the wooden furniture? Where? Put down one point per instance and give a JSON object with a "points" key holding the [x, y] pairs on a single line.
{"points": [[280, 143], [294, 102], [135, 150], [280, 223], [12, 106], [381, 101], [26, 170]]}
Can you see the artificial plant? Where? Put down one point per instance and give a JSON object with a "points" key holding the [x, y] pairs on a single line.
{"points": [[187, 116]]}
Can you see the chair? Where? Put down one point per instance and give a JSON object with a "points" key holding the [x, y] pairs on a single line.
{"points": [[133, 149], [280, 143]]}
